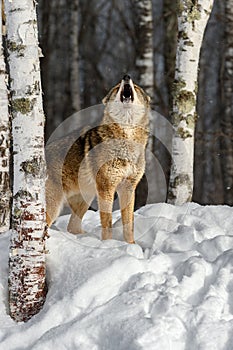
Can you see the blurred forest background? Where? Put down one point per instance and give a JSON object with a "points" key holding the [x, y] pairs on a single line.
{"points": [[89, 45]]}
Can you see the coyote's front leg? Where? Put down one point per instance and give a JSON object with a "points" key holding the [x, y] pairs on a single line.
{"points": [[105, 201], [126, 192]]}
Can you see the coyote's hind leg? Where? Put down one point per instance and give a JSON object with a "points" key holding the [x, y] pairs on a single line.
{"points": [[79, 206], [54, 201]]}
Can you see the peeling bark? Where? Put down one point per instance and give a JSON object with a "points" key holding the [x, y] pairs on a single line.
{"points": [[192, 19], [5, 192], [27, 251]]}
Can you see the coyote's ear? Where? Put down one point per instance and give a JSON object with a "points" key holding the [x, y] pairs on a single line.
{"points": [[107, 97], [146, 98], [111, 93]]}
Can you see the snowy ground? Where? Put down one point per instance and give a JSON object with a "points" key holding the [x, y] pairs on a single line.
{"points": [[173, 290]]}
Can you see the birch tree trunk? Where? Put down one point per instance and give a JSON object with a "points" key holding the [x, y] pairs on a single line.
{"points": [[192, 19], [227, 117], [27, 250], [5, 192]]}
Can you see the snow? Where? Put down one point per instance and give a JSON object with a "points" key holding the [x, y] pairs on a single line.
{"points": [[172, 290]]}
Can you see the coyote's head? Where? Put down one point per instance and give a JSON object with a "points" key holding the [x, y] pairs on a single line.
{"points": [[127, 102]]}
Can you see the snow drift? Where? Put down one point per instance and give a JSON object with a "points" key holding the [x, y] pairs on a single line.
{"points": [[173, 290]]}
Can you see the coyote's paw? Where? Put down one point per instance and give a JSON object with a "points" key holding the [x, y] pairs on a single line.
{"points": [[75, 230]]}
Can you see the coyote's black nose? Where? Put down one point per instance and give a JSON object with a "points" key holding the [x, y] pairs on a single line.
{"points": [[126, 78]]}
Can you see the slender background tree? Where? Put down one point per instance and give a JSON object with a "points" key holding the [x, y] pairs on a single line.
{"points": [[144, 46], [207, 169], [60, 65], [144, 64], [227, 118]]}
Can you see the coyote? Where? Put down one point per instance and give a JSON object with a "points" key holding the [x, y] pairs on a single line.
{"points": [[101, 161]]}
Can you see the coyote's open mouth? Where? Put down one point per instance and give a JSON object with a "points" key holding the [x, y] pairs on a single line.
{"points": [[126, 90], [127, 94]]}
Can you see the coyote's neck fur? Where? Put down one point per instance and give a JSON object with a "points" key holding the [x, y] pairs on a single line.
{"points": [[134, 115]]}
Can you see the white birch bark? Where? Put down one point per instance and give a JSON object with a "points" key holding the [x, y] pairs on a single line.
{"points": [[192, 19], [227, 117], [5, 192], [27, 251]]}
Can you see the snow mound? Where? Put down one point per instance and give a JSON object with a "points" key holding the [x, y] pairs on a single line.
{"points": [[171, 290]]}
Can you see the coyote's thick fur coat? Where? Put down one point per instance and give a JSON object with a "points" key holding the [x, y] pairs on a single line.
{"points": [[106, 159]]}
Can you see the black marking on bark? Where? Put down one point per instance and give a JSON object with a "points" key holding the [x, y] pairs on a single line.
{"points": [[33, 166], [14, 47], [22, 105]]}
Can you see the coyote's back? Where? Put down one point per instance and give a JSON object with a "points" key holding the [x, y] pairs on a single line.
{"points": [[106, 159]]}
